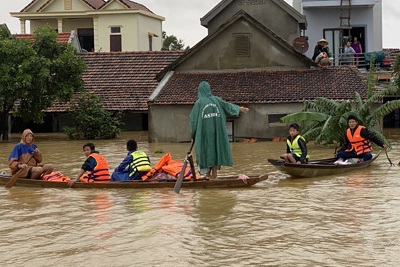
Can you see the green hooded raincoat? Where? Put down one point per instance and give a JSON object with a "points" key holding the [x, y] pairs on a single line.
{"points": [[208, 128]]}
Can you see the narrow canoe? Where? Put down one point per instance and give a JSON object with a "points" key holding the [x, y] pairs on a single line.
{"points": [[221, 182], [320, 167]]}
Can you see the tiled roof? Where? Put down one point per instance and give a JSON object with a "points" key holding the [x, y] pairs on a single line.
{"points": [[265, 86], [96, 4], [129, 4], [62, 38], [123, 80], [135, 5]]}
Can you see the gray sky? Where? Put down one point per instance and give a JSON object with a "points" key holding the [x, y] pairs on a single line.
{"points": [[183, 18]]}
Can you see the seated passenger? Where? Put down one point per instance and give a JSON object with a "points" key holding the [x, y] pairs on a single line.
{"points": [[134, 166], [25, 158], [357, 142], [95, 166], [296, 148]]}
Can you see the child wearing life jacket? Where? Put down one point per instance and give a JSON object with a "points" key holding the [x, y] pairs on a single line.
{"points": [[95, 166], [296, 148], [134, 166]]}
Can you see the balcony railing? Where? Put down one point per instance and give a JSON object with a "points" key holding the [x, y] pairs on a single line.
{"points": [[382, 60]]}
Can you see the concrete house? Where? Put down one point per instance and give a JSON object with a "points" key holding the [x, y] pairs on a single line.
{"points": [[336, 20], [115, 25], [247, 62]]}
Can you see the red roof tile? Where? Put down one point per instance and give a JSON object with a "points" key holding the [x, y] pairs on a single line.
{"points": [[96, 4], [62, 38], [135, 5], [123, 80], [265, 86]]}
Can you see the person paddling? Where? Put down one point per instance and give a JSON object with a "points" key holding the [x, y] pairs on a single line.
{"points": [[26, 158], [357, 142]]}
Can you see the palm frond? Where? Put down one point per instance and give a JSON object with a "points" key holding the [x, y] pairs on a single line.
{"points": [[304, 116]]}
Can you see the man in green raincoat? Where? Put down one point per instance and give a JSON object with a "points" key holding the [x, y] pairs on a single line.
{"points": [[208, 130]]}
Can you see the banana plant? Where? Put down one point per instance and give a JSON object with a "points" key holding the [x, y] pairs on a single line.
{"points": [[324, 121]]}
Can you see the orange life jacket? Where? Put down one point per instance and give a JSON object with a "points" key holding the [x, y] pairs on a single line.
{"points": [[158, 166], [100, 172], [172, 167], [359, 144], [56, 177]]}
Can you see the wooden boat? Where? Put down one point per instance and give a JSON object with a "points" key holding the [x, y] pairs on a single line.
{"points": [[221, 182], [320, 167]]}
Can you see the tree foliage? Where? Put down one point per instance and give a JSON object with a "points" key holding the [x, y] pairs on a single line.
{"points": [[396, 68], [36, 73], [325, 121], [172, 43], [91, 120]]}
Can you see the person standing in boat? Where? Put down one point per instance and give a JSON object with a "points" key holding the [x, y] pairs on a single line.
{"points": [[26, 158], [296, 147], [95, 166], [134, 166], [208, 130], [357, 142]]}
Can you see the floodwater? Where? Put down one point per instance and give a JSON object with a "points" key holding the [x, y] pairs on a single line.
{"points": [[347, 220]]}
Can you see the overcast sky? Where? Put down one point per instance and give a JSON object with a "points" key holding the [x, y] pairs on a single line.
{"points": [[182, 18]]}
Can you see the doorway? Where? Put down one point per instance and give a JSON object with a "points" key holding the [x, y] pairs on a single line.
{"points": [[359, 32]]}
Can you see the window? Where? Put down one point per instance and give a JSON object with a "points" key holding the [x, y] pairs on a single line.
{"points": [[230, 130], [116, 30], [86, 39], [115, 39], [242, 45], [275, 118]]}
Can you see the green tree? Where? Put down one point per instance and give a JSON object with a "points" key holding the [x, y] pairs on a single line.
{"points": [[35, 74], [91, 120], [172, 43], [325, 121]]}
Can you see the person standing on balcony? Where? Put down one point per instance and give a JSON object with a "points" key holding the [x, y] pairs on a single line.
{"points": [[348, 57], [358, 50]]}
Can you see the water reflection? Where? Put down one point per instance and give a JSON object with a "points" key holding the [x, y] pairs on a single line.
{"points": [[338, 220]]}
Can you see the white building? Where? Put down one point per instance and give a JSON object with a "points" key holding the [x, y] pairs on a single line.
{"points": [[113, 25], [333, 19]]}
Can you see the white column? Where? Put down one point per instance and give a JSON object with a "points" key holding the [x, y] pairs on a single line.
{"points": [[60, 25], [22, 24], [97, 47]]}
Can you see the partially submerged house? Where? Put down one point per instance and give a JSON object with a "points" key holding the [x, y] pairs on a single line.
{"points": [[114, 25], [246, 61], [123, 81]]}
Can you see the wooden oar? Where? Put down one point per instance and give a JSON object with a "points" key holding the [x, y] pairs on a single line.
{"points": [[15, 177], [336, 146], [179, 181], [390, 162]]}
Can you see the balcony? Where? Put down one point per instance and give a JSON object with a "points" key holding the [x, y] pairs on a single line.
{"points": [[382, 65], [335, 3]]}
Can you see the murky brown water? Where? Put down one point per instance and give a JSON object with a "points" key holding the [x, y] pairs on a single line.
{"points": [[349, 220]]}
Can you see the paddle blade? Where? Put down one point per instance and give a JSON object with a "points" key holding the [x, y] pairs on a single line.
{"points": [[179, 181], [13, 179]]}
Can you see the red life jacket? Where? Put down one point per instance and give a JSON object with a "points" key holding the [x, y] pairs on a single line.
{"points": [[100, 172], [359, 144]]}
